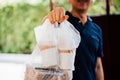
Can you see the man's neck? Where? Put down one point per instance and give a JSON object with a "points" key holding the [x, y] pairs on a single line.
{"points": [[81, 16]]}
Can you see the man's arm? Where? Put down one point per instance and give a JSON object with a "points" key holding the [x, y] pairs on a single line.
{"points": [[99, 70]]}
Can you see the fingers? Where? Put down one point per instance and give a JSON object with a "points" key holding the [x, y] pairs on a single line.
{"points": [[56, 15], [51, 17], [61, 14]]}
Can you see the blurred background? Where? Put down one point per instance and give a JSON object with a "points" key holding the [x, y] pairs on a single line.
{"points": [[18, 18]]}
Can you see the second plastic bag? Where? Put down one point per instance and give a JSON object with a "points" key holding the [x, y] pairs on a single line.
{"points": [[68, 40], [55, 48]]}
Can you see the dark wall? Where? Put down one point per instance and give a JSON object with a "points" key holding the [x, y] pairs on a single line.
{"points": [[111, 42], [114, 23]]}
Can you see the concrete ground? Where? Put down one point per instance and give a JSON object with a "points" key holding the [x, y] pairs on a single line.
{"points": [[12, 66]]}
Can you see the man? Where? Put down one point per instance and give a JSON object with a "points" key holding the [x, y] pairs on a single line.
{"points": [[88, 63]]}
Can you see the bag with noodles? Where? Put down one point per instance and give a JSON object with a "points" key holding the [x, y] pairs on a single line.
{"points": [[54, 54]]}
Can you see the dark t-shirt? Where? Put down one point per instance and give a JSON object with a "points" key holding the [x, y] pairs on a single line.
{"points": [[89, 48]]}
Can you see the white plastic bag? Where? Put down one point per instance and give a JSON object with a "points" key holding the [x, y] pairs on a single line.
{"points": [[55, 48], [45, 53], [46, 35], [43, 59], [68, 40]]}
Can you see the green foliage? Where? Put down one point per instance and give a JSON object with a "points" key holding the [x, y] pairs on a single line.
{"points": [[17, 24], [98, 7], [115, 7]]}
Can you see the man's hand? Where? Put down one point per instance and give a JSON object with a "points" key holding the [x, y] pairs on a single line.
{"points": [[56, 15]]}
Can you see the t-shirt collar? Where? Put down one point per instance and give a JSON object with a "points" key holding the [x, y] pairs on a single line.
{"points": [[75, 18]]}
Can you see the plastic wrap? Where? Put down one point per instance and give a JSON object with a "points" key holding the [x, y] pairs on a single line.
{"points": [[54, 53]]}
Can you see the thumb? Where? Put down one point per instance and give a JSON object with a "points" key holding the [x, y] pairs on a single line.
{"points": [[66, 17], [44, 19]]}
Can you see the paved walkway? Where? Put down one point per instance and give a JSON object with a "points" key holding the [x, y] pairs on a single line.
{"points": [[12, 66], [12, 71]]}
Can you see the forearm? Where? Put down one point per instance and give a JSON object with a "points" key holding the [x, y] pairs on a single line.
{"points": [[99, 74], [99, 70]]}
